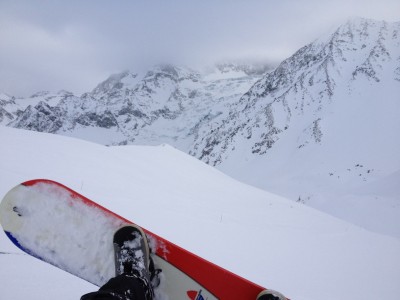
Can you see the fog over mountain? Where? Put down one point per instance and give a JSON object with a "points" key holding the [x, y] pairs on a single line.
{"points": [[73, 45]]}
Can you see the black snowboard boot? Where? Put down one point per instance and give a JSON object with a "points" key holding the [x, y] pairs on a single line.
{"points": [[132, 254], [270, 295], [132, 262]]}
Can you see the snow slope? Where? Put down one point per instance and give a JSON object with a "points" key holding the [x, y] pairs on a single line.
{"points": [[286, 246]]}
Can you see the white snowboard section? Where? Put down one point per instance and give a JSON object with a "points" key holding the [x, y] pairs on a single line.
{"points": [[50, 224], [69, 234]]}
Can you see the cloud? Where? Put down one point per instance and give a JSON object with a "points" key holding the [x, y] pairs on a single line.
{"points": [[74, 44]]}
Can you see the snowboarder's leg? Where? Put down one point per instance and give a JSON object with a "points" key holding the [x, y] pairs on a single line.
{"points": [[132, 261], [121, 287]]}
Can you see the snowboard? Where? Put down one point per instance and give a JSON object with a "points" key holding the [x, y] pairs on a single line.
{"points": [[59, 226]]}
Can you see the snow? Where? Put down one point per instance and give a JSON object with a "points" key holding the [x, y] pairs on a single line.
{"points": [[104, 136], [23, 277], [286, 246]]}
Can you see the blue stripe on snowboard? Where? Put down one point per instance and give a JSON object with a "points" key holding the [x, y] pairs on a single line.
{"points": [[16, 243]]}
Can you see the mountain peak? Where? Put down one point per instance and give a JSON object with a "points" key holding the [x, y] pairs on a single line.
{"points": [[112, 82]]}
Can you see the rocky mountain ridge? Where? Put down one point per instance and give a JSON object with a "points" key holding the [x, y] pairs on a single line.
{"points": [[128, 104]]}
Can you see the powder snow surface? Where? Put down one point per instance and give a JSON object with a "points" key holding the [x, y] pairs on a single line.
{"points": [[299, 251], [92, 231]]}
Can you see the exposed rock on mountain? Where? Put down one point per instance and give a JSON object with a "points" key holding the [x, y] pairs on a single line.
{"points": [[166, 104]]}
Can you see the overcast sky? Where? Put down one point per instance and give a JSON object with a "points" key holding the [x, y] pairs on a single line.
{"points": [[73, 45]]}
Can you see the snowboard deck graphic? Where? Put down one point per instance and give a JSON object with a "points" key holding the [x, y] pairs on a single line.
{"points": [[59, 226]]}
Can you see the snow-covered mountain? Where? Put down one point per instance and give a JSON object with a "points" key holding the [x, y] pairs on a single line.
{"points": [[321, 128], [166, 104], [303, 253], [328, 75], [12, 108]]}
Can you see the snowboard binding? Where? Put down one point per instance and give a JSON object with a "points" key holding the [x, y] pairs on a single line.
{"points": [[133, 254]]}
